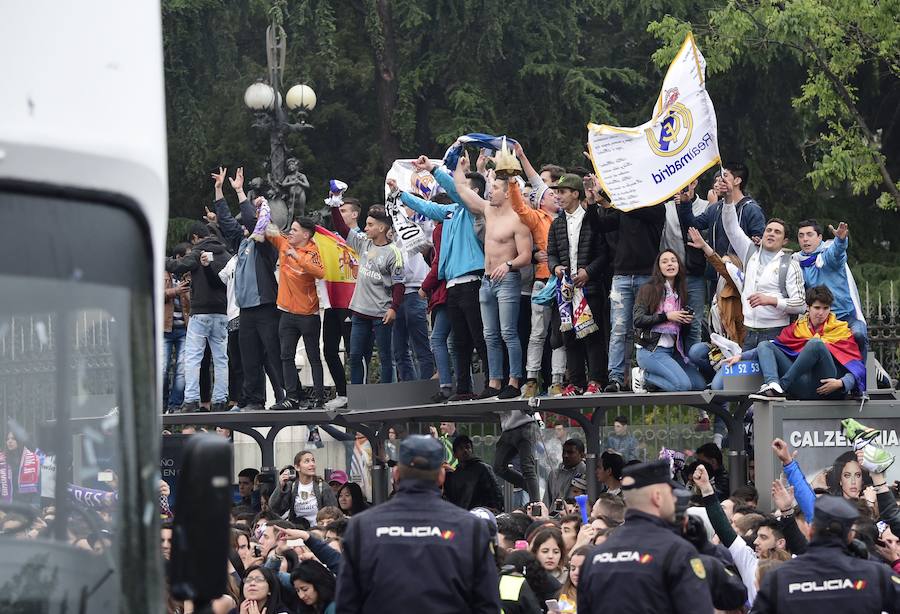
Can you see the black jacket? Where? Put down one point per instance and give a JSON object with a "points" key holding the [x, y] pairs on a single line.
{"points": [[592, 252], [639, 235], [826, 579], [282, 499], [725, 585], [643, 567], [207, 290], [417, 553], [473, 485], [644, 318]]}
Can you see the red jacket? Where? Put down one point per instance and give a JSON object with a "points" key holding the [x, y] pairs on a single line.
{"points": [[431, 285]]}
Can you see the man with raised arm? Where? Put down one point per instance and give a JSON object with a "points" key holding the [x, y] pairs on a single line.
{"points": [[538, 217], [461, 265], [507, 248]]}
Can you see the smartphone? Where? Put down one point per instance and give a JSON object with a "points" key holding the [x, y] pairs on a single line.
{"points": [[294, 543], [688, 309], [534, 509], [552, 605], [257, 551], [559, 505]]}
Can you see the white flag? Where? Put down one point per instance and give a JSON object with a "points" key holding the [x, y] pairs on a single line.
{"points": [[646, 165]]}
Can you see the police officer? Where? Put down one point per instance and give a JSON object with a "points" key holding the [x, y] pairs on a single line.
{"points": [[644, 566], [417, 552], [826, 576]]}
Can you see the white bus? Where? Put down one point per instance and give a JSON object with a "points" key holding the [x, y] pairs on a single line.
{"points": [[83, 199]]}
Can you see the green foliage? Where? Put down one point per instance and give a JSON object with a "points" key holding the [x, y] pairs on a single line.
{"points": [[539, 72], [848, 50]]}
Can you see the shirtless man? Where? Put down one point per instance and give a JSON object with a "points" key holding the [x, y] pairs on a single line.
{"points": [[507, 248]]}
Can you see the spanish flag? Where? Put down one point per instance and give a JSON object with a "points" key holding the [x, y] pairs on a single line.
{"points": [[341, 265], [837, 337]]}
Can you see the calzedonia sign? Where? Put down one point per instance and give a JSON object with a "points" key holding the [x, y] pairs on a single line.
{"points": [[821, 441]]}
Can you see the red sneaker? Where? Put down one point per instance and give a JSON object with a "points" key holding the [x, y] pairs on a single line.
{"points": [[593, 389], [570, 391]]}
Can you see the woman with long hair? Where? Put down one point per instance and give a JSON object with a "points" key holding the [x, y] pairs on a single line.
{"points": [[315, 587], [351, 500], [568, 596], [846, 478], [544, 585], [301, 492], [661, 325], [549, 549], [261, 592]]}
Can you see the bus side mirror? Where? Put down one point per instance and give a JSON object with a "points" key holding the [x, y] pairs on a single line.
{"points": [[201, 531]]}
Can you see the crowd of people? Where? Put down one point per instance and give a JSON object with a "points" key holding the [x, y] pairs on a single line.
{"points": [[661, 536], [540, 280]]}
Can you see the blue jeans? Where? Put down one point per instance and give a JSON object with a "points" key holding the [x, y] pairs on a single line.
{"points": [[621, 303], [500, 316], [664, 369], [801, 377], [442, 345], [206, 328], [860, 334], [696, 290], [754, 337], [364, 333], [699, 357], [411, 329], [173, 346]]}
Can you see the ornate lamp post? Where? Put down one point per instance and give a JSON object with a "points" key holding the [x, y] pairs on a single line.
{"points": [[285, 185]]}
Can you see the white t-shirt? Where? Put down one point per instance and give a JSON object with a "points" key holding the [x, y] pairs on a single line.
{"points": [[305, 504]]}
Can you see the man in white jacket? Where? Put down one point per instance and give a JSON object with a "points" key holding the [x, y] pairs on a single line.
{"points": [[773, 282]]}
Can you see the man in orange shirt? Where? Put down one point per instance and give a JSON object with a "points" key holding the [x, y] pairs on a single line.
{"points": [[300, 267], [538, 219]]}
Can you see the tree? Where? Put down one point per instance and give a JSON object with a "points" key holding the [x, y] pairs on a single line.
{"points": [[849, 51]]}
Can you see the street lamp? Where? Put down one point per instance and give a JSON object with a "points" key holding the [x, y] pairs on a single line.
{"points": [[285, 185]]}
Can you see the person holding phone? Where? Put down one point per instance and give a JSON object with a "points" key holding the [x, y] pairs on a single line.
{"points": [[661, 324], [300, 491]]}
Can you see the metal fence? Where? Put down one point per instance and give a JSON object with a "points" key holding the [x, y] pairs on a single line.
{"points": [[28, 369]]}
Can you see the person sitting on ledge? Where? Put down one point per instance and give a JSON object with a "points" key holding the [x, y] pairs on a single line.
{"points": [[816, 357]]}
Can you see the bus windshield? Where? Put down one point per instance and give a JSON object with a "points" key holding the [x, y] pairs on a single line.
{"points": [[74, 308]]}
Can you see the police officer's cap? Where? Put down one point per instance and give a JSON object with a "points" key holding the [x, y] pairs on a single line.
{"points": [[421, 452], [831, 509], [647, 474]]}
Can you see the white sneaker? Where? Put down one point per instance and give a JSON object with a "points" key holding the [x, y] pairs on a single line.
{"points": [[637, 380], [336, 403], [768, 392]]}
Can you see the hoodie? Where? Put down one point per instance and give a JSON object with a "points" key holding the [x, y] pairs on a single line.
{"points": [[827, 266], [207, 290]]}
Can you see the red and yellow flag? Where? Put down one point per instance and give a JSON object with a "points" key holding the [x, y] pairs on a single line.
{"points": [[341, 265]]}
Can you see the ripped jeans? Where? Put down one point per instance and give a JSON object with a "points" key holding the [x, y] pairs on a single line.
{"points": [[621, 306]]}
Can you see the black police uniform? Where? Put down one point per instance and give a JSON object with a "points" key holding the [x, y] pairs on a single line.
{"points": [[826, 577], [417, 552], [725, 585], [643, 567]]}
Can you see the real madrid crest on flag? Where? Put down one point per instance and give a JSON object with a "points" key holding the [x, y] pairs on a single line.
{"points": [[646, 165]]}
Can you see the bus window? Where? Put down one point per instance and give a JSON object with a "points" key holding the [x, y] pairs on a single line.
{"points": [[76, 382]]}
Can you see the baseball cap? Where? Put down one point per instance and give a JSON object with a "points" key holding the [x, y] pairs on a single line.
{"points": [[647, 474], [338, 476], [835, 509], [570, 181], [421, 452], [488, 517]]}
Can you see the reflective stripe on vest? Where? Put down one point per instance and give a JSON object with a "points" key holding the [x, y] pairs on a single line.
{"points": [[510, 587]]}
